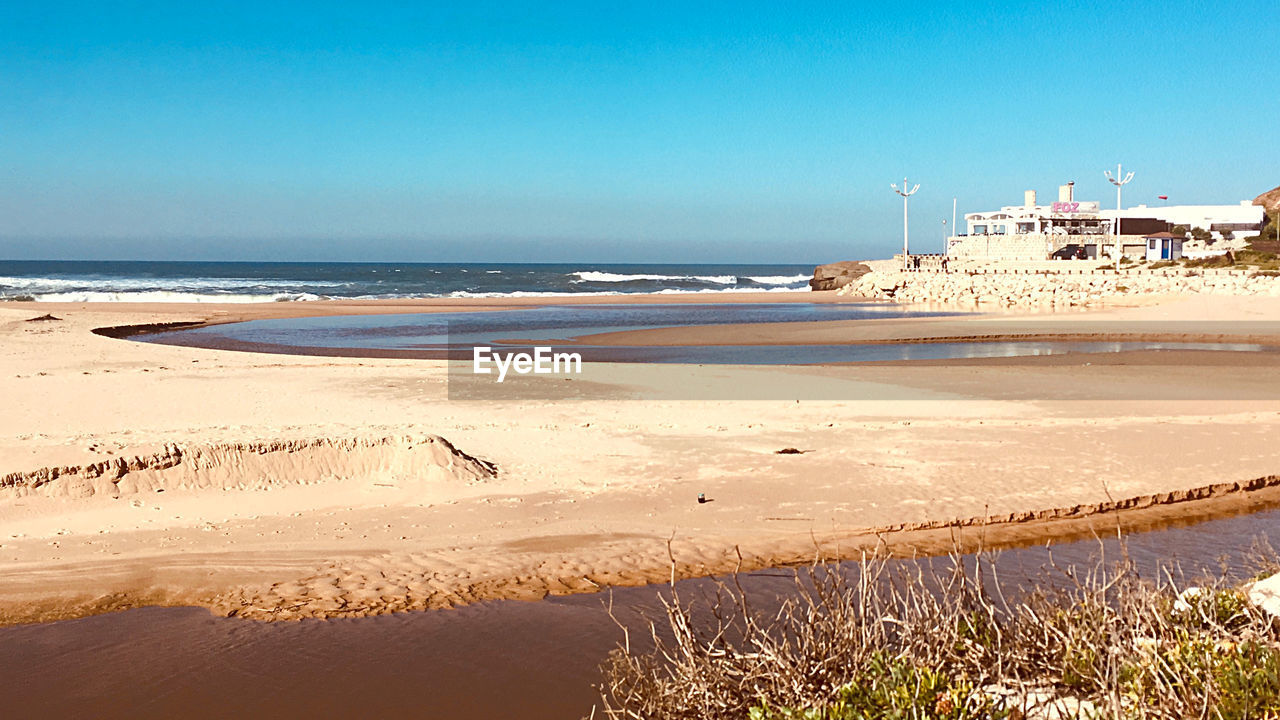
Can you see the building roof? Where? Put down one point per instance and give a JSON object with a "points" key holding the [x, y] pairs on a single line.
{"points": [[1165, 234]]}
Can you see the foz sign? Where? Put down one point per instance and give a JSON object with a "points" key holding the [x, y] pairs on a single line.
{"points": [[1066, 207]]}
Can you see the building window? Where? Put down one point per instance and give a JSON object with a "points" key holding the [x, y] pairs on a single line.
{"points": [[979, 229]]}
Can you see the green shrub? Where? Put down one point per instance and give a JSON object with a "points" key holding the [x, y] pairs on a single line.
{"points": [[1238, 681], [915, 642], [1254, 257], [1213, 261], [894, 688]]}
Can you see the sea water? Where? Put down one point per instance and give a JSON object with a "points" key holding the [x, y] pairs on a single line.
{"points": [[82, 281]]}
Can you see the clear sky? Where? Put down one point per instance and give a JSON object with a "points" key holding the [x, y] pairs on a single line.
{"points": [[655, 131]]}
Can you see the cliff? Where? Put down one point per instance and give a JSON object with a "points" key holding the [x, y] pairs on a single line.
{"points": [[1270, 201]]}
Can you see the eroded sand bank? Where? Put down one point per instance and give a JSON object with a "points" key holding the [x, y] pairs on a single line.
{"points": [[273, 486]]}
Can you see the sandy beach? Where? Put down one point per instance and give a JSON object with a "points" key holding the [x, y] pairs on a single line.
{"points": [[283, 486]]}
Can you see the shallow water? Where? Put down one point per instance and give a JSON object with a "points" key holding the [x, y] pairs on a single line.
{"points": [[434, 334], [425, 331], [528, 660]]}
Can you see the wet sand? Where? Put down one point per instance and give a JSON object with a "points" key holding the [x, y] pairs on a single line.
{"points": [[297, 488]]}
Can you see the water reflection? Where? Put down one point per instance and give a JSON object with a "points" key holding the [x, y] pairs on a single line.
{"points": [[438, 335]]}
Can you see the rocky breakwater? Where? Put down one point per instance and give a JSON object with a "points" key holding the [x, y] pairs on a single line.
{"points": [[1054, 288]]}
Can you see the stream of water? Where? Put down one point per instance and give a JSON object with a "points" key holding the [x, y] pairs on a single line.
{"points": [[529, 660]]}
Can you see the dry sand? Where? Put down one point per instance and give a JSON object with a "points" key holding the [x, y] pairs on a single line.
{"points": [[276, 486]]}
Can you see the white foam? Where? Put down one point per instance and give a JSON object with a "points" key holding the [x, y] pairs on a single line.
{"points": [[123, 284], [169, 296], [613, 293], [605, 277], [676, 291], [778, 279]]}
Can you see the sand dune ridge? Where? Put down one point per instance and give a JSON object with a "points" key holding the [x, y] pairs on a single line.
{"points": [[255, 464]]}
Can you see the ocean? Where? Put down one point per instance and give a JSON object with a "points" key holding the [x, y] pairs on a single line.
{"points": [[90, 281]]}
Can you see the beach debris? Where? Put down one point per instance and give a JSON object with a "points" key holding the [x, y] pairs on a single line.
{"points": [[1265, 594], [1186, 601], [1040, 703], [702, 498], [790, 451], [43, 318]]}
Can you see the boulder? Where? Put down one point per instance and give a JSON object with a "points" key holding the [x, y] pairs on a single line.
{"points": [[1265, 595], [836, 275]]}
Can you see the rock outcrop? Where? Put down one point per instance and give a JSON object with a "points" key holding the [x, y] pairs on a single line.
{"points": [[1270, 202], [836, 275]]}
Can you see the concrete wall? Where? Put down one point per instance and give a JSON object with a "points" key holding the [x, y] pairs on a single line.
{"points": [[1002, 247], [1022, 287], [1086, 268], [1033, 246]]}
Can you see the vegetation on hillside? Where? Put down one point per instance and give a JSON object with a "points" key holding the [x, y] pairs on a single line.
{"points": [[1239, 259], [1268, 240]]}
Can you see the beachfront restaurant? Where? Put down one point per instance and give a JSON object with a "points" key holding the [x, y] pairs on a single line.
{"points": [[1066, 228]]}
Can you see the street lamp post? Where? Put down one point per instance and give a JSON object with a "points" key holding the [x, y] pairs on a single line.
{"points": [[905, 193], [953, 220], [1119, 180]]}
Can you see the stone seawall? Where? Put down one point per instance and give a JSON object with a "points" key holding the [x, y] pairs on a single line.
{"points": [[1041, 288]]}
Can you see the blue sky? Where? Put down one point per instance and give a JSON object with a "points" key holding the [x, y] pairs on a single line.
{"points": [[680, 132]]}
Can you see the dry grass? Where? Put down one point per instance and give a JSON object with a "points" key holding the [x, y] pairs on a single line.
{"points": [[954, 640]]}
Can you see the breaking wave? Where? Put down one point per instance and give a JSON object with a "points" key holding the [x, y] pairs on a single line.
{"points": [[608, 277], [167, 296], [778, 279], [245, 282]]}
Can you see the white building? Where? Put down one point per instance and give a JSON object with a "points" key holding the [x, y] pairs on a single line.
{"points": [[1032, 231], [1064, 217], [1072, 229], [1241, 221], [1164, 246]]}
